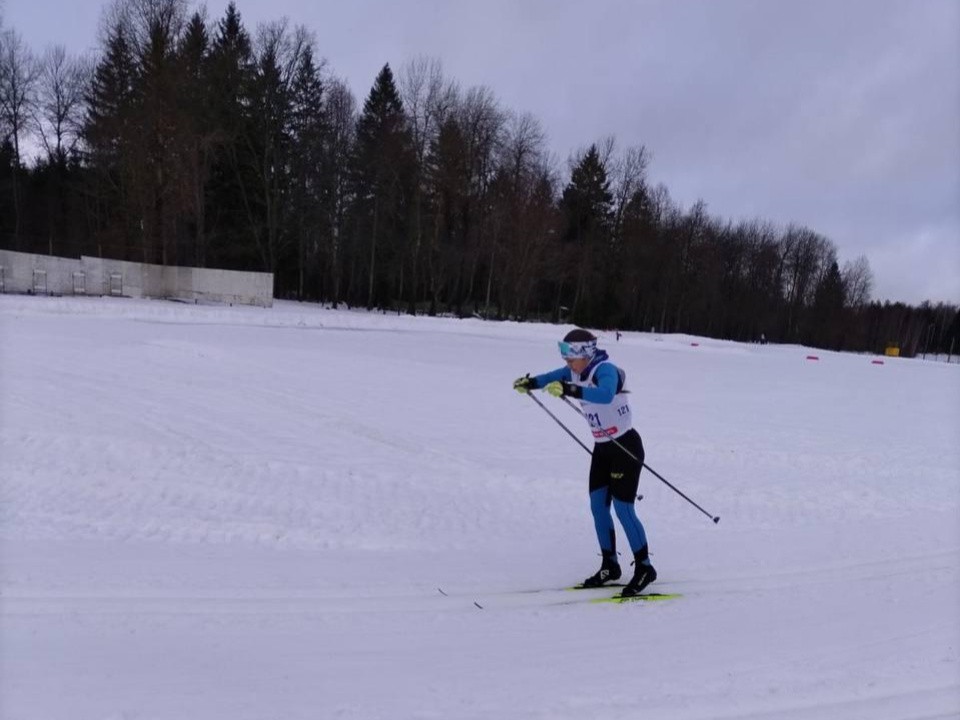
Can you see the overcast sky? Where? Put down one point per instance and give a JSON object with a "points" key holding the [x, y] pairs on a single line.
{"points": [[841, 115]]}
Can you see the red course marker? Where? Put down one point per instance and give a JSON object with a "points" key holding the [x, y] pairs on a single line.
{"points": [[812, 357]]}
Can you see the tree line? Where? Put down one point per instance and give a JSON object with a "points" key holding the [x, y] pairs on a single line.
{"points": [[186, 141]]}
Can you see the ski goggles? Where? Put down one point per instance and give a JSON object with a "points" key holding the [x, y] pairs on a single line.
{"points": [[577, 350]]}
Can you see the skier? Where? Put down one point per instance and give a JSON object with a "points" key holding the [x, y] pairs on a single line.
{"points": [[598, 384]]}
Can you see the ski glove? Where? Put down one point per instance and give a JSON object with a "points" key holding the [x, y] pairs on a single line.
{"points": [[525, 384], [564, 389]]}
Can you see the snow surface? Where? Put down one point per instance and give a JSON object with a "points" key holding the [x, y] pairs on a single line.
{"points": [[239, 513]]}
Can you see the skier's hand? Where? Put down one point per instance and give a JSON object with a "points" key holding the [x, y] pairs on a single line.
{"points": [[525, 384], [564, 389]]}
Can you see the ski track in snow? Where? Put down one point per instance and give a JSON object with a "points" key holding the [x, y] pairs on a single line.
{"points": [[212, 512]]}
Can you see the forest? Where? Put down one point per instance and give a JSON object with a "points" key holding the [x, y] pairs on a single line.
{"points": [[188, 140]]}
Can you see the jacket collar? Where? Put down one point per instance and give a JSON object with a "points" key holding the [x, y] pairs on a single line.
{"points": [[599, 357]]}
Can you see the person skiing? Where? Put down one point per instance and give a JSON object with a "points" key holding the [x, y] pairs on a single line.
{"points": [[598, 384]]}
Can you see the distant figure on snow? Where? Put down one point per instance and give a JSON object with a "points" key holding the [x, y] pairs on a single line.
{"points": [[598, 384]]}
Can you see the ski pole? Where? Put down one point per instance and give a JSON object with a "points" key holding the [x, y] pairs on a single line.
{"points": [[557, 421], [715, 518], [569, 432]]}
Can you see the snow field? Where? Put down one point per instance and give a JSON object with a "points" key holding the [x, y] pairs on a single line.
{"points": [[212, 512]]}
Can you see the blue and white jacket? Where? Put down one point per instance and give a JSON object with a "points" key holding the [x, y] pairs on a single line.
{"points": [[605, 398]]}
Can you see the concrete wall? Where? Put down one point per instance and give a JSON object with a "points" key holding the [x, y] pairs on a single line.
{"points": [[44, 274]]}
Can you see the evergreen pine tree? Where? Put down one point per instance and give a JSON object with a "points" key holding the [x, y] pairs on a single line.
{"points": [[587, 207], [827, 313], [310, 176], [110, 147], [266, 145], [587, 200], [230, 242], [381, 170], [156, 127], [197, 136]]}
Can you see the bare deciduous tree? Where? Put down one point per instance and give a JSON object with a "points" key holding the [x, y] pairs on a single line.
{"points": [[427, 100], [628, 173], [61, 91], [523, 219], [523, 146], [857, 282], [482, 123], [19, 71]]}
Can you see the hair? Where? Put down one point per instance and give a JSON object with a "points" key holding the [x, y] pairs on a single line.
{"points": [[579, 335]]}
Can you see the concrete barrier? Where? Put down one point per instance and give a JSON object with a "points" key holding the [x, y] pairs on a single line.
{"points": [[48, 275]]}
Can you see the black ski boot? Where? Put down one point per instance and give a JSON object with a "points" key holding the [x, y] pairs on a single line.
{"points": [[643, 574], [608, 572]]}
